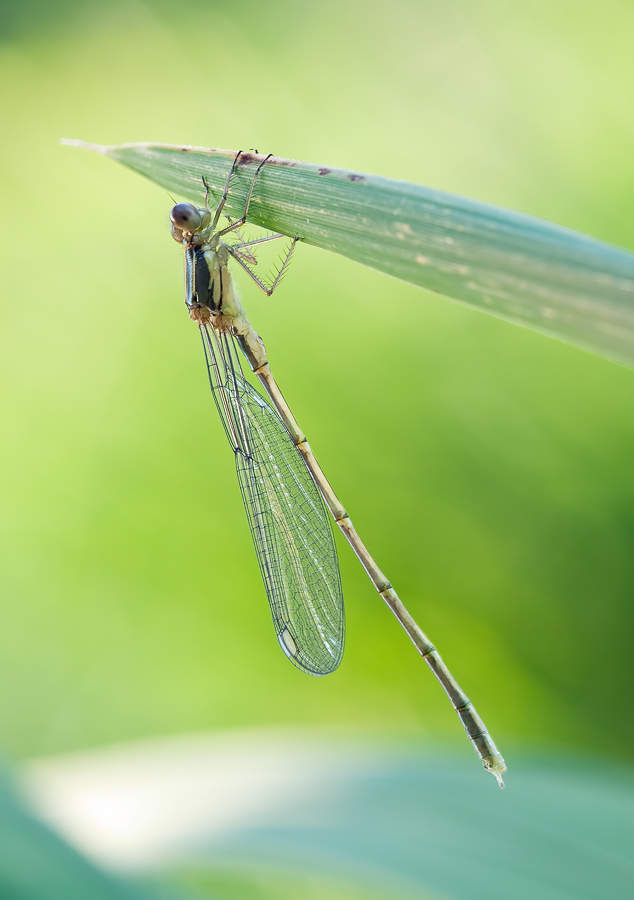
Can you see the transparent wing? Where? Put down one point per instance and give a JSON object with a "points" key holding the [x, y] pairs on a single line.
{"points": [[288, 519]]}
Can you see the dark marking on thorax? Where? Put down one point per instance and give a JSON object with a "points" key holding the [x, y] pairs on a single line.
{"points": [[203, 282]]}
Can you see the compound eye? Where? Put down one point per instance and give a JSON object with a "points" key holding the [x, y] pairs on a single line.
{"points": [[186, 217]]}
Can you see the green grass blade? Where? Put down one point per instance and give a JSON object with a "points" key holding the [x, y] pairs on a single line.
{"points": [[520, 268]]}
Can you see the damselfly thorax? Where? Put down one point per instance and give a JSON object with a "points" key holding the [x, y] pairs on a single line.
{"points": [[209, 291]]}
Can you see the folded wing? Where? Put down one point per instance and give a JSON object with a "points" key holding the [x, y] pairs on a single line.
{"points": [[289, 523]]}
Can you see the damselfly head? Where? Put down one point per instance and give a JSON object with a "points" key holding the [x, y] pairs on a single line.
{"points": [[186, 217]]}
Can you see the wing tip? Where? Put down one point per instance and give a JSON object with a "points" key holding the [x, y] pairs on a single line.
{"points": [[309, 665]]}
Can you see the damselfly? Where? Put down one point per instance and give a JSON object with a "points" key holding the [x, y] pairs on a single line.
{"points": [[284, 490]]}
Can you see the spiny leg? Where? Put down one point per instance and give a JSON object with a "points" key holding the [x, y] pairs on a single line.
{"points": [[242, 248], [207, 191], [225, 192], [262, 240], [267, 290], [242, 220]]}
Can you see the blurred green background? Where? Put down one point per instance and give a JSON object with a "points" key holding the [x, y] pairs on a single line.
{"points": [[488, 468]]}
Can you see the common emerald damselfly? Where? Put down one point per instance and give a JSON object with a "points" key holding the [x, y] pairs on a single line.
{"points": [[285, 492]]}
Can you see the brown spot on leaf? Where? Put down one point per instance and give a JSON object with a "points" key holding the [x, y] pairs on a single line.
{"points": [[323, 171], [245, 159], [354, 177]]}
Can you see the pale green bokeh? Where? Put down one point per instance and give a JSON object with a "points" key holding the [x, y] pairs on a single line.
{"points": [[488, 469]]}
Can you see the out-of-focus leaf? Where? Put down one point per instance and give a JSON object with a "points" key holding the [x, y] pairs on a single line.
{"points": [[35, 864], [514, 266], [398, 822]]}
